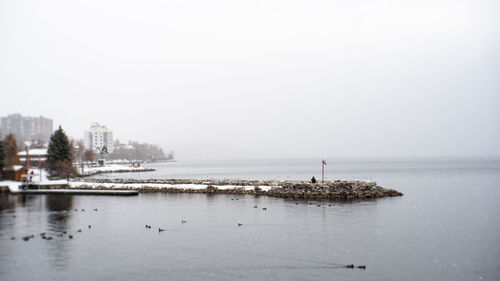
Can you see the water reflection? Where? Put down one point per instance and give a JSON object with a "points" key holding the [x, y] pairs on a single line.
{"points": [[6, 202], [31, 202], [7, 205], [59, 203], [58, 207]]}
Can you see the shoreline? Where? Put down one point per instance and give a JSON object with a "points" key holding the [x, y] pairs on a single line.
{"points": [[124, 170], [333, 190], [329, 190]]}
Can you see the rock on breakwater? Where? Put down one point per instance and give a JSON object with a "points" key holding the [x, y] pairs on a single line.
{"points": [[333, 190]]}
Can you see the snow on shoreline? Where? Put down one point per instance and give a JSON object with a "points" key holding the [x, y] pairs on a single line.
{"points": [[14, 186], [75, 184], [40, 176], [42, 180], [112, 168]]}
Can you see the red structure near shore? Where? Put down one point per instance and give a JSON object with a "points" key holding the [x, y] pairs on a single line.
{"points": [[13, 173]]}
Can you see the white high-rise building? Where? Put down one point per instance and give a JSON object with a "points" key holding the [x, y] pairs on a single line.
{"points": [[97, 137]]}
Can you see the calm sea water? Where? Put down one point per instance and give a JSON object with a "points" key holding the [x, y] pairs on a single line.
{"points": [[445, 227]]}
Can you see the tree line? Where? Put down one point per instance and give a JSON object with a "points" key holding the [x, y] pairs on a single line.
{"points": [[59, 161], [140, 151], [63, 152]]}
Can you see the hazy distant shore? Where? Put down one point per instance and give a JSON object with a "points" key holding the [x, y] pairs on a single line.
{"points": [[113, 168]]}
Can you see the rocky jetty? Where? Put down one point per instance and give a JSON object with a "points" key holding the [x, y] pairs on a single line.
{"points": [[188, 181], [333, 190]]}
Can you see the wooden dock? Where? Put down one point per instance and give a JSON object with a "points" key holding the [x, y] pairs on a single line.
{"points": [[80, 192]]}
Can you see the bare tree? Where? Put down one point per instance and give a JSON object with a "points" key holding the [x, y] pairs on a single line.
{"points": [[65, 169], [88, 156], [10, 150]]}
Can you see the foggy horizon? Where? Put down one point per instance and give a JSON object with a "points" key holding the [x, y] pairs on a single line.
{"points": [[270, 79]]}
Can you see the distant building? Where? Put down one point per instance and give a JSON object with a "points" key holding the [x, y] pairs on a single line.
{"points": [[14, 173], [26, 128], [37, 156], [98, 136]]}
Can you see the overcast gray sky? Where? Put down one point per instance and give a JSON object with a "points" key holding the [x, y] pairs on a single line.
{"points": [[241, 79]]}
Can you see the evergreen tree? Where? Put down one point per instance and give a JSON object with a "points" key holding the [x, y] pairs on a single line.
{"points": [[59, 159], [10, 151]]}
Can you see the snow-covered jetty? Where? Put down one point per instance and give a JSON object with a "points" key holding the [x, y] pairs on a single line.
{"points": [[337, 189]]}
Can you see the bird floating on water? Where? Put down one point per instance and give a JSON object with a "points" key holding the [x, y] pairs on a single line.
{"points": [[160, 229], [359, 266]]}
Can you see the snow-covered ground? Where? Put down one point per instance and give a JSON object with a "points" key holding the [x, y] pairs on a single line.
{"points": [[39, 177], [13, 185], [75, 184]]}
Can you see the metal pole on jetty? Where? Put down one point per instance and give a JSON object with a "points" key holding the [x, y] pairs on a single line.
{"points": [[323, 164], [28, 158]]}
